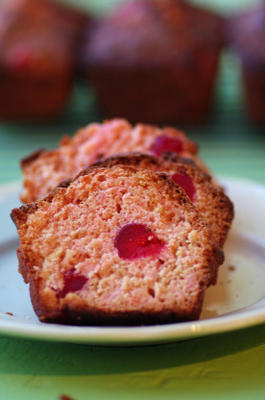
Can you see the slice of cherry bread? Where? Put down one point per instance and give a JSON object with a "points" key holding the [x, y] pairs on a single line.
{"points": [[44, 170], [209, 199], [116, 246]]}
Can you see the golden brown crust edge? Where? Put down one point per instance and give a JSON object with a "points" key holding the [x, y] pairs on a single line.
{"points": [[31, 157]]}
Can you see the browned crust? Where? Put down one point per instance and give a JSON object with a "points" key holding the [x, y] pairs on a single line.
{"points": [[19, 215], [84, 315], [64, 183], [93, 316], [31, 157], [226, 207], [125, 159], [23, 263], [135, 159]]}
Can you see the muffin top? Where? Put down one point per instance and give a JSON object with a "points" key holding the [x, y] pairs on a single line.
{"points": [[154, 31], [248, 34]]}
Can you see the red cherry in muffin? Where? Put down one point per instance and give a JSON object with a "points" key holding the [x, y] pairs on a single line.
{"points": [[72, 283], [166, 144], [137, 240], [186, 183]]}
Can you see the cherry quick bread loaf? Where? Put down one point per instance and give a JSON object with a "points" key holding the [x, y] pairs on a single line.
{"points": [[118, 245], [43, 170]]}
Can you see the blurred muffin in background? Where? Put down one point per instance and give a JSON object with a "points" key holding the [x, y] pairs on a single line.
{"points": [[155, 61], [247, 33], [38, 42]]}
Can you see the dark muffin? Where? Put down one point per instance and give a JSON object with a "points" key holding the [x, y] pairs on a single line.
{"points": [[155, 61], [248, 37], [38, 40]]}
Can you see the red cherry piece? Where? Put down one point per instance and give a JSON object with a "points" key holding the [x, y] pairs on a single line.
{"points": [[186, 183], [166, 144], [136, 240], [72, 283], [20, 58]]}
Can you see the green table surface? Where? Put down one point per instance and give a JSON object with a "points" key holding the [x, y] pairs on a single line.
{"points": [[224, 366]]}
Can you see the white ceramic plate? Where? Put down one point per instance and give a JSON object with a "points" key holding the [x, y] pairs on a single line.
{"points": [[237, 301]]}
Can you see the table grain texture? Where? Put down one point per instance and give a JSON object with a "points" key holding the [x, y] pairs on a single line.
{"points": [[224, 366]]}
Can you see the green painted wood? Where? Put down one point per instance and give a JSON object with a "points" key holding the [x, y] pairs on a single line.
{"points": [[228, 366]]}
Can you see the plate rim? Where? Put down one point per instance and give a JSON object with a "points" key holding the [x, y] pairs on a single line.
{"points": [[143, 335], [134, 335]]}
